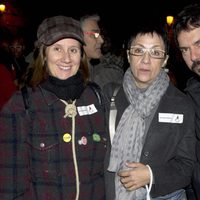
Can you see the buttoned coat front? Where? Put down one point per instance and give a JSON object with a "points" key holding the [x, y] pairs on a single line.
{"points": [[36, 148]]}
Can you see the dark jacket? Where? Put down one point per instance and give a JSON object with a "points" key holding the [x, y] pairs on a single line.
{"points": [[108, 70], [193, 91], [36, 163], [169, 148]]}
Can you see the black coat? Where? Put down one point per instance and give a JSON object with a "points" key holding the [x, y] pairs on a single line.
{"points": [[193, 91], [169, 148]]}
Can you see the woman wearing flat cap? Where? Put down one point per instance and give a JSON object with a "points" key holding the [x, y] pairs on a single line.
{"points": [[53, 136]]}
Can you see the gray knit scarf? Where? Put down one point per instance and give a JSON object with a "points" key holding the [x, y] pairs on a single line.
{"points": [[129, 137]]}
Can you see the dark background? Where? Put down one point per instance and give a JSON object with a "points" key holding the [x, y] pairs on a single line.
{"points": [[118, 16]]}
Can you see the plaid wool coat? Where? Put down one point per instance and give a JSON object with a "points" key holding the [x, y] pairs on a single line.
{"points": [[36, 161]]}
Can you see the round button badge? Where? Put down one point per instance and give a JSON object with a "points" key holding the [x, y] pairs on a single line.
{"points": [[67, 137]]}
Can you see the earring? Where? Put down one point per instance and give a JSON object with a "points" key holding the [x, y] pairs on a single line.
{"points": [[165, 61]]}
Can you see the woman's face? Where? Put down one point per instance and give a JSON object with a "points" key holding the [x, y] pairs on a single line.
{"points": [[146, 57], [63, 58]]}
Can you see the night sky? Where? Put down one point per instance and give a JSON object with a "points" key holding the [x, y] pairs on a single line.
{"points": [[118, 17]]}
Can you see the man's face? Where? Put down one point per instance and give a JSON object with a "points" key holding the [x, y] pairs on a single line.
{"points": [[93, 39], [189, 44]]}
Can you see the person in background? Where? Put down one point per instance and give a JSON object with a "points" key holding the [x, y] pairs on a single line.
{"points": [[17, 55], [186, 31], [4, 47], [5, 57], [53, 135], [7, 73], [102, 68], [153, 150]]}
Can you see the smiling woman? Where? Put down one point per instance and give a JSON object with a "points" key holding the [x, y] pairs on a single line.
{"points": [[60, 54], [60, 139]]}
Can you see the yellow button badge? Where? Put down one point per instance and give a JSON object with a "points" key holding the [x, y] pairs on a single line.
{"points": [[67, 137]]}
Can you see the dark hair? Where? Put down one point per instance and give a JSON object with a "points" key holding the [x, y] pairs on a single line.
{"points": [[150, 27], [187, 19]]}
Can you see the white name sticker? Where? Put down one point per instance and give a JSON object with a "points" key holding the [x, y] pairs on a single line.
{"points": [[170, 118], [87, 110]]}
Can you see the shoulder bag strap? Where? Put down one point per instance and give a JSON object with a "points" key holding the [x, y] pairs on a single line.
{"points": [[113, 114]]}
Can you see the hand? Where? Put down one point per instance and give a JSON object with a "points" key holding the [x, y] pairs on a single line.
{"points": [[135, 177]]}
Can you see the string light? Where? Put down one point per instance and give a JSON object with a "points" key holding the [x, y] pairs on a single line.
{"points": [[2, 7]]}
